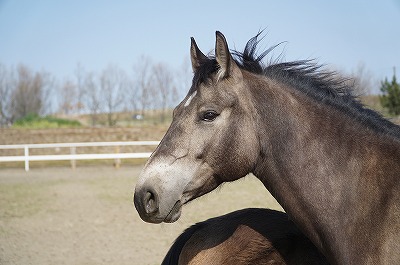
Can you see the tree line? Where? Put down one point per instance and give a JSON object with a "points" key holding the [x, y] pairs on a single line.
{"points": [[149, 85]]}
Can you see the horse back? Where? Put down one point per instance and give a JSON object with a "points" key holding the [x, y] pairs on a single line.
{"points": [[248, 236]]}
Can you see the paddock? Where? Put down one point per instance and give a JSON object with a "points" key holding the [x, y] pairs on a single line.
{"points": [[86, 216]]}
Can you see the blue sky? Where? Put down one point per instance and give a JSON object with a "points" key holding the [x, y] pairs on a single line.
{"points": [[56, 35]]}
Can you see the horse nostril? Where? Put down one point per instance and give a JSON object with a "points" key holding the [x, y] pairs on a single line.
{"points": [[150, 203], [199, 156]]}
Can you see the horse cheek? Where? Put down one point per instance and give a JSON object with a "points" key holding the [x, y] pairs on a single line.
{"points": [[240, 152]]}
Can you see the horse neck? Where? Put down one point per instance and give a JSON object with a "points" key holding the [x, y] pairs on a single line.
{"points": [[323, 168]]}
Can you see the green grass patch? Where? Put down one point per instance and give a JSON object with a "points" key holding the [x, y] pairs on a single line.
{"points": [[34, 121]]}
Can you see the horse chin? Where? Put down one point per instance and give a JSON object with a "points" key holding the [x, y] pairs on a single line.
{"points": [[174, 214]]}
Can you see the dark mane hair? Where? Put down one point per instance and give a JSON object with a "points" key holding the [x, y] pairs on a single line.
{"points": [[306, 76]]}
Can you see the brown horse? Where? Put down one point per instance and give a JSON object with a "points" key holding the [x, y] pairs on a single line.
{"points": [[329, 161], [244, 237]]}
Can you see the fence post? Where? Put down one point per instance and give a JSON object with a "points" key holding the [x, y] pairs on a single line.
{"points": [[117, 161], [73, 161], [26, 152]]}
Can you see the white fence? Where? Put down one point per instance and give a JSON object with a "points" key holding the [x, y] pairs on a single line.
{"points": [[73, 156]]}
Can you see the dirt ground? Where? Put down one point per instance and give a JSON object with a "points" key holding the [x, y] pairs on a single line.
{"points": [[86, 216]]}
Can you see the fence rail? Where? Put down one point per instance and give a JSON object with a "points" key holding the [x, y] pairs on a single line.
{"points": [[73, 156]]}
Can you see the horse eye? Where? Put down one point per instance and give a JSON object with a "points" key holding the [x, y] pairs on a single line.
{"points": [[209, 115]]}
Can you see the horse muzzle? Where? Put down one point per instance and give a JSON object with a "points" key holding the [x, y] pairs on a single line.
{"points": [[147, 204]]}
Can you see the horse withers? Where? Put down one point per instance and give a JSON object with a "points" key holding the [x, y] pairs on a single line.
{"points": [[244, 237], [331, 163]]}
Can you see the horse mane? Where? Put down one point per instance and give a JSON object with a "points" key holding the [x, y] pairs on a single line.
{"points": [[307, 76]]}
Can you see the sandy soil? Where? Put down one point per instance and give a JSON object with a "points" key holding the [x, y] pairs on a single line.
{"points": [[86, 216]]}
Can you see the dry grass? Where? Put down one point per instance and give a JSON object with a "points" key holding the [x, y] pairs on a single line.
{"points": [[32, 136], [86, 216]]}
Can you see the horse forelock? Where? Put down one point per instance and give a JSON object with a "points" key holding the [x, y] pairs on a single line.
{"points": [[207, 67]]}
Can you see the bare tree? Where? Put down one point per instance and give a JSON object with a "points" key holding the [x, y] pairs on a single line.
{"points": [[113, 83], [143, 81], [31, 93], [48, 93], [363, 79], [184, 78], [92, 95], [68, 95], [133, 95], [6, 84], [164, 86], [80, 88]]}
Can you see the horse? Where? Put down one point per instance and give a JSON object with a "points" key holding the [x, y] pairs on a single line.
{"points": [[244, 237], [332, 163]]}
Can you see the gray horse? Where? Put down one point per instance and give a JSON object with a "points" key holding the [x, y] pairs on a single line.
{"points": [[330, 162]]}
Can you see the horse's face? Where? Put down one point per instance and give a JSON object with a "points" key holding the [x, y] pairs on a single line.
{"points": [[211, 140]]}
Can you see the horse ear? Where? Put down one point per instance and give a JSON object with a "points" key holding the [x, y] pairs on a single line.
{"points": [[196, 56], [223, 56]]}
